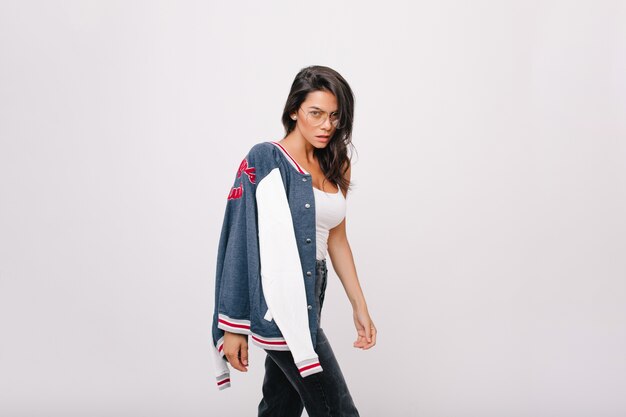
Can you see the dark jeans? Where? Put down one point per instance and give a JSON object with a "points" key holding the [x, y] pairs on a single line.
{"points": [[286, 393]]}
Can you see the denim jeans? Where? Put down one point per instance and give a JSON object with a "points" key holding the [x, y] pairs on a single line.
{"points": [[286, 393]]}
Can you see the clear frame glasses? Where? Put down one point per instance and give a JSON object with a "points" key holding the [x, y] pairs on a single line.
{"points": [[317, 117]]}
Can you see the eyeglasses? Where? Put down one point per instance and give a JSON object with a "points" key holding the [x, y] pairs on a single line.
{"points": [[318, 117]]}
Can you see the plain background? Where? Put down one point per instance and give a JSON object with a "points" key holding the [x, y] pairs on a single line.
{"points": [[487, 218]]}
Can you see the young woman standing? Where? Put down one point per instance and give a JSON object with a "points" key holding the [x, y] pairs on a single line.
{"points": [[308, 169]]}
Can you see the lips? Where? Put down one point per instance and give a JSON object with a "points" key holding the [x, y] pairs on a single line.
{"points": [[323, 137]]}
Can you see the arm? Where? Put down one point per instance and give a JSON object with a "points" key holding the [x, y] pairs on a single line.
{"points": [[343, 263]]}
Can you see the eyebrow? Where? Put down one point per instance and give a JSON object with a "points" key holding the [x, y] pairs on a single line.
{"points": [[315, 107]]}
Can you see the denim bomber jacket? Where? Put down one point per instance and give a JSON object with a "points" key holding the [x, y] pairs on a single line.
{"points": [[265, 274]]}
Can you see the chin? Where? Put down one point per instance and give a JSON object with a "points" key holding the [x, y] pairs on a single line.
{"points": [[317, 144]]}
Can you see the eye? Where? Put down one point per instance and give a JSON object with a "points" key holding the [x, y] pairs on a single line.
{"points": [[315, 113]]}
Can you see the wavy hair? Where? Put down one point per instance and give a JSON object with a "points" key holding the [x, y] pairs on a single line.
{"points": [[334, 160]]}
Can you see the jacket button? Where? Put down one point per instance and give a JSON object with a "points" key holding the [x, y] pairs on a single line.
{"points": [[308, 273], [308, 240], [309, 306], [303, 179], [307, 205]]}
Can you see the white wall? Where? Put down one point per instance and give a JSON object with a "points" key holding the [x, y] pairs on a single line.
{"points": [[487, 219]]}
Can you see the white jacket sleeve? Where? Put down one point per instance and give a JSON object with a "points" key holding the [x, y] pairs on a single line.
{"points": [[222, 371], [282, 277]]}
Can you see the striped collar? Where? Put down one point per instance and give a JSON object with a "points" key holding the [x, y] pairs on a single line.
{"points": [[290, 158]]}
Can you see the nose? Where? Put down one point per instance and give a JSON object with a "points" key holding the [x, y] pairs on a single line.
{"points": [[327, 125]]}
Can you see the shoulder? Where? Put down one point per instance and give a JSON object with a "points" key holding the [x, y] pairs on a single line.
{"points": [[262, 157], [263, 152]]}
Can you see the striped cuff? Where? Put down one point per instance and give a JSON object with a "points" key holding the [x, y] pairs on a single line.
{"points": [[220, 346], [309, 367], [233, 325], [223, 381], [271, 343]]}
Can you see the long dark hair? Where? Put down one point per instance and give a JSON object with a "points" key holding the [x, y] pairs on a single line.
{"points": [[333, 159]]}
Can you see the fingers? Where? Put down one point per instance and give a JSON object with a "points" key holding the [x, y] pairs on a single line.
{"points": [[244, 356], [372, 338], [237, 356], [362, 341], [236, 362]]}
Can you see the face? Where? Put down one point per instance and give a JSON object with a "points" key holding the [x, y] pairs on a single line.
{"points": [[316, 101]]}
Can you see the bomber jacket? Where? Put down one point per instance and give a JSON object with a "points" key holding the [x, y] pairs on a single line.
{"points": [[266, 261]]}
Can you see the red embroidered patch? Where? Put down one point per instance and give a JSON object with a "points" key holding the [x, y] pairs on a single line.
{"points": [[249, 171], [235, 192]]}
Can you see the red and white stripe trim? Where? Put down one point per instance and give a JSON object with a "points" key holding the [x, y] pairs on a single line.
{"points": [[220, 346], [271, 343], [290, 158], [223, 381], [243, 327], [233, 325], [309, 367]]}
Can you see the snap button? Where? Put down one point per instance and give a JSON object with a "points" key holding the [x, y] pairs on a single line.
{"points": [[308, 240], [307, 205], [309, 306], [303, 179], [308, 273]]}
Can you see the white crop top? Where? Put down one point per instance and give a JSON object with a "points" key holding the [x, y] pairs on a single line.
{"points": [[330, 209]]}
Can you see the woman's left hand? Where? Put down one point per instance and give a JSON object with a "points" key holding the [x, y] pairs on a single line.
{"points": [[365, 328]]}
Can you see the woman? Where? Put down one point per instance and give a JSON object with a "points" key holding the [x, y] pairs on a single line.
{"points": [[285, 211]]}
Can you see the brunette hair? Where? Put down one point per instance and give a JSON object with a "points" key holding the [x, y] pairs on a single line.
{"points": [[333, 159]]}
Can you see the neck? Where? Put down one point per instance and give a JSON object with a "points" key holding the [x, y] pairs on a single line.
{"points": [[299, 147]]}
